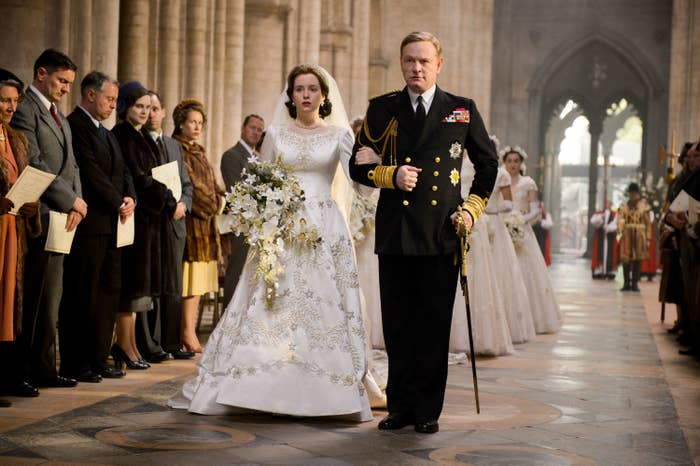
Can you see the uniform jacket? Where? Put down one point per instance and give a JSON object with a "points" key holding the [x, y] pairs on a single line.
{"points": [[104, 176], [417, 222], [50, 150]]}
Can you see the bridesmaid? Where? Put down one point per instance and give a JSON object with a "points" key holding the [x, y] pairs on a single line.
{"points": [[545, 310]]}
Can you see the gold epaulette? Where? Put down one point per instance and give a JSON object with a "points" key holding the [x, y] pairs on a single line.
{"points": [[475, 205], [394, 92]]}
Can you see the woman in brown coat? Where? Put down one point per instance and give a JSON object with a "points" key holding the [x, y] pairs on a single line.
{"points": [[13, 232], [200, 273]]}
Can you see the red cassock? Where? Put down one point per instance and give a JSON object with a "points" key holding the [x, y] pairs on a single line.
{"points": [[653, 264]]}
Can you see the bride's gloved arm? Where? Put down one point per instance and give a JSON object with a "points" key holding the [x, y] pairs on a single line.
{"points": [[345, 149], [533, 213]]}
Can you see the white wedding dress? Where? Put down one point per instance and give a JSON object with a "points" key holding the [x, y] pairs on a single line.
{"points": [[510, 279], [306, 355], [488, 314], [545, 311]]}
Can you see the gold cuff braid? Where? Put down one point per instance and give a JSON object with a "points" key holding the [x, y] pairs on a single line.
{"points": [[383, 176], [475, 205]]}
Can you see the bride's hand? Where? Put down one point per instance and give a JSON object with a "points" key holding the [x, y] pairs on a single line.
{"points": [[366, 155]]}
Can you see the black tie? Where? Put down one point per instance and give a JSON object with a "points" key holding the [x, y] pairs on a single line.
{"points": [[161, 149], [420, 110], [103, 133]]}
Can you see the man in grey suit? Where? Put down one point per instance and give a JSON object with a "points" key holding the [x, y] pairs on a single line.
{"points": [[163, 342], [233, 162], [50, 150]]}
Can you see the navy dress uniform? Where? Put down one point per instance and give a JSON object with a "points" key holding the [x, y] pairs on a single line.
{"points": [[415, 239]]}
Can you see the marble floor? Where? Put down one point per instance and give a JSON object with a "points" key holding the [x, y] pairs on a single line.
{"points": [[609, 389]]}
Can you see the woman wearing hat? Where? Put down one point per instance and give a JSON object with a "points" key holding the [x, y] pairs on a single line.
{"points": [[141, 267], [203, 247], [13, 232], [634, 225]]}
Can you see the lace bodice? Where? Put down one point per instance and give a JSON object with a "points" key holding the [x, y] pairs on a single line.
{"points": [[313, 154], [520, 190]]}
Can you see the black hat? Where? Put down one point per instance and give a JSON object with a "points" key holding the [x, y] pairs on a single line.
{"points": [[633, 188], [9, 78]]}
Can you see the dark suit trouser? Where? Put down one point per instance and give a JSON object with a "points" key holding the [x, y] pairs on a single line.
{"points": [[234, 266], [43, 285], [417, 296], [91, 285], [170, 302]]}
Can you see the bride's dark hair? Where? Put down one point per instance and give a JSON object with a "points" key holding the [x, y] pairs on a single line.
{"points": [[325, 109]]}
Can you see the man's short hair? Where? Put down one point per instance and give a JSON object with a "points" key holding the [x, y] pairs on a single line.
{"points": [[95, 80], [53, 60], [252, 115], [422, 36]]}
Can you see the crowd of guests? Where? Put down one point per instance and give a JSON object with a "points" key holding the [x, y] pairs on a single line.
{"points": [[137, 303], [679, 242]]}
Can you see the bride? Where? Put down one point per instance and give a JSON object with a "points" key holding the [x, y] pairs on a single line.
{"points": [[306, 355]]}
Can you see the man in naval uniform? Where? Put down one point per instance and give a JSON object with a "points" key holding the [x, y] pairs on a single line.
{"points": [[422, 133]]}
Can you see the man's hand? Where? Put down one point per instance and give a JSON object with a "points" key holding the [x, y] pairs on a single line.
{"points": [[407, 177], [29, 209], [366, 155], [6, 205], [74, 218], [465, 216], [180, 211], [127, 207], [79, 206]]}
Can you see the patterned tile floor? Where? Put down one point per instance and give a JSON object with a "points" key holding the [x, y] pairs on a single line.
{"points": [[609, 389]]}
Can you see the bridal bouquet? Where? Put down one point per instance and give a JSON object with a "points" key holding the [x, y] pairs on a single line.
{"points": [[264, 207], [516, 229], [362, 213]]}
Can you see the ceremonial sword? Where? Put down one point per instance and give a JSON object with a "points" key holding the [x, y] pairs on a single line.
{"points": [[463, 234]]}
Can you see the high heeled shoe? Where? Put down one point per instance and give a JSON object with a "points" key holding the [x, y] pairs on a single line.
{"points": [[121, 358]]}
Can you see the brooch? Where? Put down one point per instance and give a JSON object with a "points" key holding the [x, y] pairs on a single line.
{"points": [[458, 115], [456, 150], [454, 177]]}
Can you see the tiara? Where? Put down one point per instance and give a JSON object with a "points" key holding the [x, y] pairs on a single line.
{"points": [[516, 149]]}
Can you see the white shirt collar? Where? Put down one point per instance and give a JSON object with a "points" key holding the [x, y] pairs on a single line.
{"points": [[42, 97], [427, 98], [156, 134], [247, 147], [94, 121]]}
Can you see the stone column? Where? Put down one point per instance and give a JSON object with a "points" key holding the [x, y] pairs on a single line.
{"points": [[309, 31], [133, 34], [105, 43], [217, 112], [378, 53], [684, 88], [336, 44], [263, 73], [169, 72], [233, 71], [595, 128], [359, 74], [195, 54], [21, 20]]}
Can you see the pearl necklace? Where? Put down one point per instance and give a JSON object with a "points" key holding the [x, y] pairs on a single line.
{"points": [[315, 125]]}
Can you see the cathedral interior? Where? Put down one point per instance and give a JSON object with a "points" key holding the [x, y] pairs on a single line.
{"points": [[599, 93]]}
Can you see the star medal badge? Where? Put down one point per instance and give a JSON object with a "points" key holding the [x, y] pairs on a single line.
{"points": [[454, 177], [456, 150]]}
